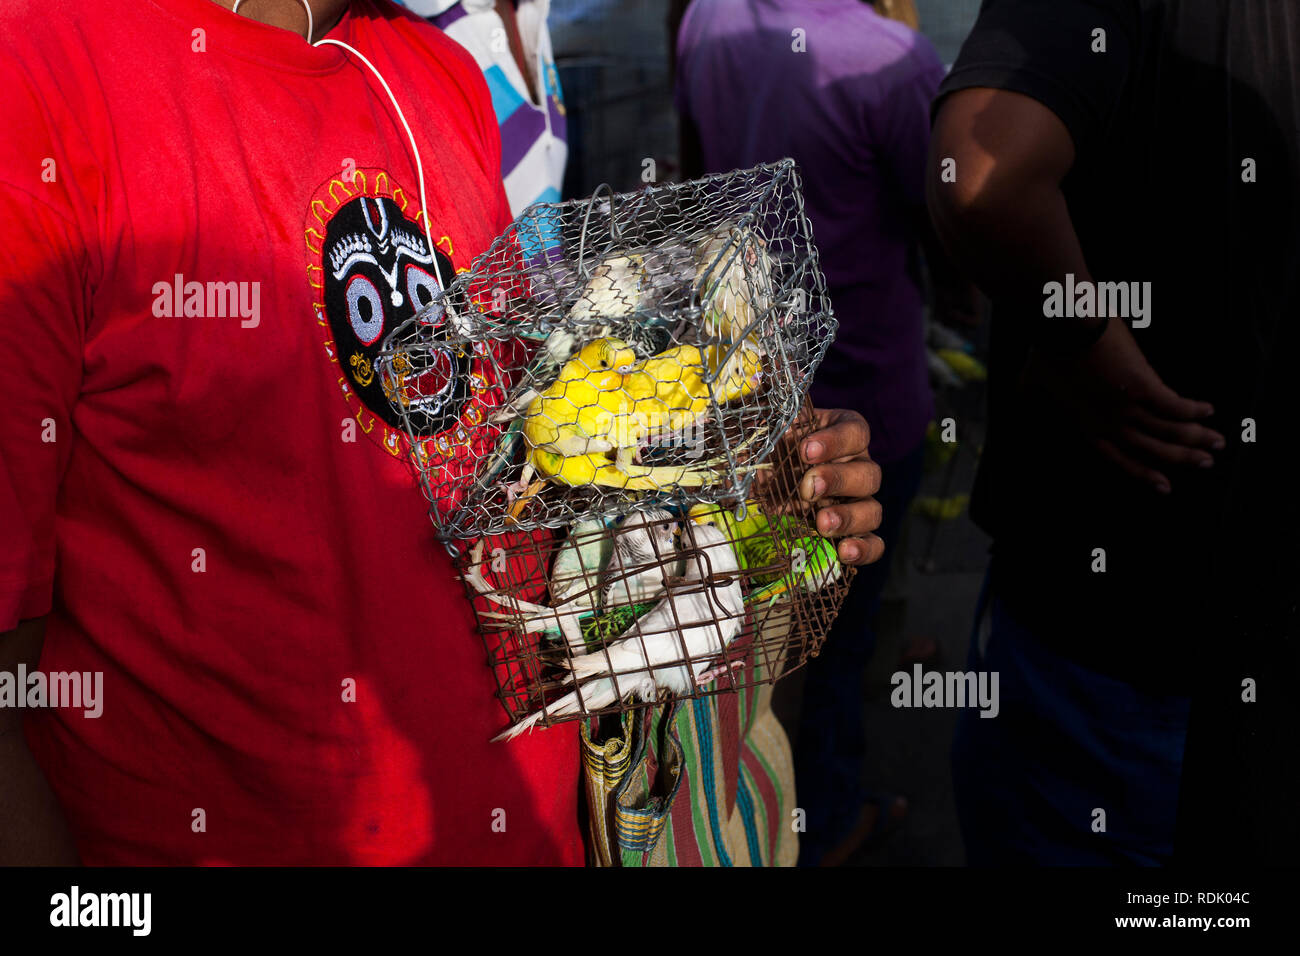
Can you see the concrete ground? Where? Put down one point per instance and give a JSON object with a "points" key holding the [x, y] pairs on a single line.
{"points": [[932, 592]]}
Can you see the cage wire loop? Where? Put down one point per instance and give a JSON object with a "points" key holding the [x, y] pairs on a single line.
{"points": [[619, 492], [586, 222]]}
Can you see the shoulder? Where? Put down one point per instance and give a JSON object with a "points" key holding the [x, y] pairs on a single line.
{"points": [[423, 35], [705, 18], [446, 81], [424, 54], [907, 54], [32, 31], [47, 75]]}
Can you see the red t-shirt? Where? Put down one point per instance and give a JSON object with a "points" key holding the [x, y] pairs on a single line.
{"points": [[223, 523]]}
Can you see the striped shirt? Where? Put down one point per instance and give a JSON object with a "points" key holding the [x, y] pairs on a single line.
{"points": [[533, 148]]}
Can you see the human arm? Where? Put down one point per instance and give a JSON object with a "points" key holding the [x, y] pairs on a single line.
{"points": [[33, 831], [1003, 216]]}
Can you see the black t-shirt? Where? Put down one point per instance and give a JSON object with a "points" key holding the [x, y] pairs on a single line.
{"points": [[1189, 101]]}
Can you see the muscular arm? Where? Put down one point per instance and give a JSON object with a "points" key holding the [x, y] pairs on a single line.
{"points": [[32, 828], [1004, 221]]}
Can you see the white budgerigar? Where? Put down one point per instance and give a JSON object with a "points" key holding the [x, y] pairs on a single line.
{"points": [[562, 618], [594, 567], [644, 555], [695, 621], [741, 275]]}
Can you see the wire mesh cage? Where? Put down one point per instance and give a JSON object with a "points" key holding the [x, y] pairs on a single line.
{"points": [[661, 603], [643, 345], [621, 501]]}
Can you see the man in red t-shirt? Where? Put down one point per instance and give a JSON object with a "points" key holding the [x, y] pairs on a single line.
{"points": [[209, 226]]}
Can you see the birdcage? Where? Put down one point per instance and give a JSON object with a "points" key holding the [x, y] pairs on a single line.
{"points": [[662, 602], [639, 363], [648, 344]]}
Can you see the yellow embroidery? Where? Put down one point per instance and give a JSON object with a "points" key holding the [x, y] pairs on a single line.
{"points": [[347, 193], [362, 370]]}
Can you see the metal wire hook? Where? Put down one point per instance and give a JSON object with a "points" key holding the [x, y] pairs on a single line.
{"points": [[583, 271]]}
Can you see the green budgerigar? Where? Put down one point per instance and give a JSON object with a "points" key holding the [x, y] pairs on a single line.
{"points": [[814, 563], [813, 560]]}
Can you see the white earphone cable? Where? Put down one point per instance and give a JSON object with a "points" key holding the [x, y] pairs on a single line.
{"points": [[443, 281]]}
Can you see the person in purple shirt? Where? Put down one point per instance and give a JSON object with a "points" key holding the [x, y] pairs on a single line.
{"points": [[846, 93]]}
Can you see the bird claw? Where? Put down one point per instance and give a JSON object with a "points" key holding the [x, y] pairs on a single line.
{"points": [[517, 497], [713, 673]]}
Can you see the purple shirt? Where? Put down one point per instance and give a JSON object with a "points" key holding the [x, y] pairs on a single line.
{"points": [[848, 98]]}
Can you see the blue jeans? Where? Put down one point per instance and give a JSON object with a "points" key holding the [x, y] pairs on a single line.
{"points": [[831, 742], [1068, 746]]}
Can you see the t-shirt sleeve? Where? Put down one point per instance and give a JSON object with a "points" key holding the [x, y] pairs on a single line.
{"points": [[1072, 56], [42, 311]]}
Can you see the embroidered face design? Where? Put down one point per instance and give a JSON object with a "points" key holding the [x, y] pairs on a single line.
{"points": [[378, 272]]}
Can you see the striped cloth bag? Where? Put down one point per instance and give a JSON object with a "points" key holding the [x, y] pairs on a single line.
{"points": [[704, 782]]}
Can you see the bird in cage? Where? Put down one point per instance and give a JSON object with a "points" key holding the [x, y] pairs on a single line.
{"points": [[591, 428], [588, 426], [651, 283], [563, 619], [577, 412], [812, 560], [600, 568], [814, 564], [671, 390], [576, 573], [644, 555], [620, 286], [673, 647], [743, 290], [582, 418], [751, 536]]}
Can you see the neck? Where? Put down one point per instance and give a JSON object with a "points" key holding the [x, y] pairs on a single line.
{"points": [[290, 15]]}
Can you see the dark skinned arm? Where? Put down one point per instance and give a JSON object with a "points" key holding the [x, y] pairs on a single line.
{"points": [[1006, 223], [32, 829]]}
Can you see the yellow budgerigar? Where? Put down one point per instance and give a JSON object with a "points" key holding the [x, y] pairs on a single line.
{"points": [[589, 426], [670, 392], [585, 428], [571, 417], [605, 405]]}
